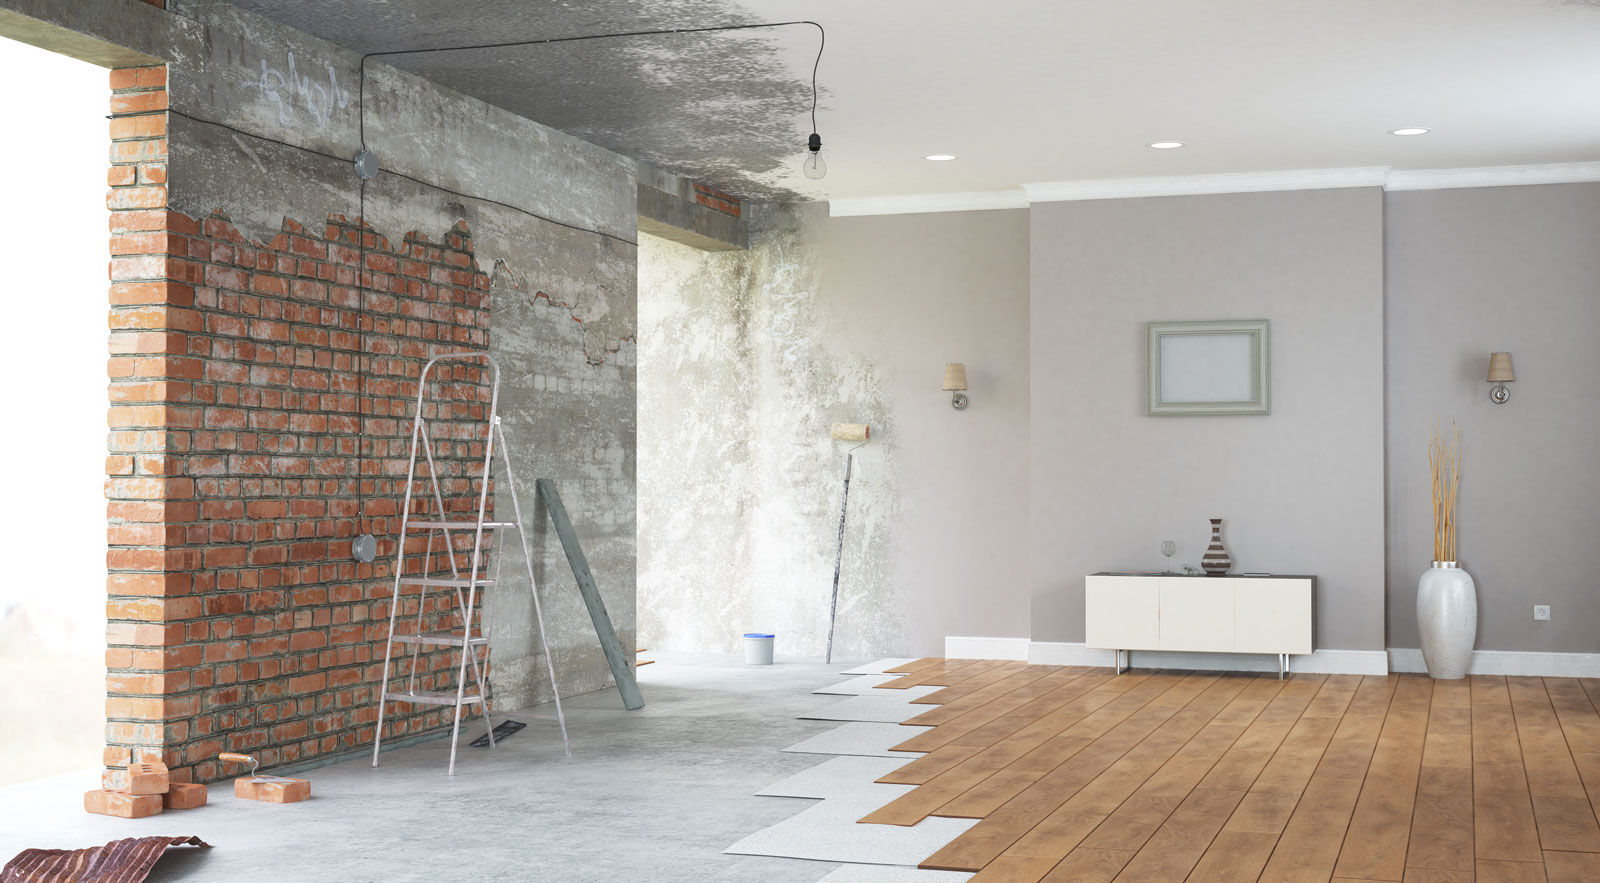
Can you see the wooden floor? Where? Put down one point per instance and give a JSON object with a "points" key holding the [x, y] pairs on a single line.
{"points": [[1082, 775]]}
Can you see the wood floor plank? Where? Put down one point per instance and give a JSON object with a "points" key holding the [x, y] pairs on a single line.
{"points": [[920, 676], [1015, 869], [1234, 856], [1441, 823], [929, 765], [1503, 825], [1379, 833], [1089, 866], [1304, 854], [1572, 867], [1510, 872], [1566, 824], [1176, 847], [1327, 803], [1435, 875], [915, 665], [1580, 724]]}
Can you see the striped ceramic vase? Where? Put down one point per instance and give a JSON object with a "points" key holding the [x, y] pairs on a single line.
{"points": [[1216, 560]]}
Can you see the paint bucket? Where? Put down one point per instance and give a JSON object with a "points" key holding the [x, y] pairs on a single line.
{"points": [[757, 648]]}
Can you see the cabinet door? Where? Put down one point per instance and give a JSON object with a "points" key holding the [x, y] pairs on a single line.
{"points": [[1197, 614], [1121, 612], [1272, 615]]}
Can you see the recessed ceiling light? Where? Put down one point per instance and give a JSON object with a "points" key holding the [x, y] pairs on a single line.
{"points": [[941, 157], [1167, 145], [1410, 130]]}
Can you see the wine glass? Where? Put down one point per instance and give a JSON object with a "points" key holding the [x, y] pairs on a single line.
{"points": [[1169, 548]]}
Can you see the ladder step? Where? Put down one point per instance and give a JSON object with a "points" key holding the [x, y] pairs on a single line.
{"points": [[461, 582], [437, 640], [457, 525], [426, 697]]}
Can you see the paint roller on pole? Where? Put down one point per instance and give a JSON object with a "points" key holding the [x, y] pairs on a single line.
{"points": [[847, 432]]}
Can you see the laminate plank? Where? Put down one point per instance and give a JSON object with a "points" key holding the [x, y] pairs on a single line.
{"points": [[922, 676], [929, 765], [1015, 869], [1263, 812], [1234, 856], [915, 665], [1172, 852], [1133, 822], [1494, 731], [1588, 764], [1089, 866], [1579, 722], [1441, 823], [1572, 867], [954, 708], [1304, 854], [988, 795], [1327, 803], [1350, 751], [1375, 848], [1436, 875], [1510, 872], [1566, 824], [919, 803], [1333, 700], [1503, 824]]}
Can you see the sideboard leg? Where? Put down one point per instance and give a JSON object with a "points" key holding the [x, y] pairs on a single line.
{"points": [[1282, 664]]}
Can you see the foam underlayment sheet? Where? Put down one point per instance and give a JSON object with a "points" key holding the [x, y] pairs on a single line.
{"points": [[882, 666], [892, 874], [842, 776], [828, 831], [883, 709], [865, 739], [867, 685]]}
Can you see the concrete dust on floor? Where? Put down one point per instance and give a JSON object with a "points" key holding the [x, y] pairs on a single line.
{"points": [[655, 794]]}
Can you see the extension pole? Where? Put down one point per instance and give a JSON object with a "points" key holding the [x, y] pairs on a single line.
{"points": [[838, 560]]}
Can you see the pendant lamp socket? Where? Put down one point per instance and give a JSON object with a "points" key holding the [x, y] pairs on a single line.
{"points": [[814, 166]]}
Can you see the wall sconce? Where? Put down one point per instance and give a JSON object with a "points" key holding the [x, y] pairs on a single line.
{"points": [[955, 382], [1500, 374]]}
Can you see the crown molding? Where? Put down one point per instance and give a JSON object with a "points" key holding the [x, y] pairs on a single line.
{"points": [[1197, 185], [982, 200], [1493, 176]]}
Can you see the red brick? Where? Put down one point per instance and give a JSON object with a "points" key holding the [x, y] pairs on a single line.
{"points": [[126, 806]]}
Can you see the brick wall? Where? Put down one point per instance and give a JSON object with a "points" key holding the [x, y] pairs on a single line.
{"points": [[715, 199], [237, 618]]}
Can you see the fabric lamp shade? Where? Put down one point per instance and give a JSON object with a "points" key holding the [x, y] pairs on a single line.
{"points": [[1500, 368], [955, 377]]}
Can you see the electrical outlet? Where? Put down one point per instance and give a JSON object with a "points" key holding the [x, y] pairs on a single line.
{"points": [[1541, 612]]}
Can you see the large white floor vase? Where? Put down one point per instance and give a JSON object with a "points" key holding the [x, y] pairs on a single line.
{"points": [[1447, 619]]}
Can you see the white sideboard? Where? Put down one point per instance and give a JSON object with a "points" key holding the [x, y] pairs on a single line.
{"points": [[1209, 614]]}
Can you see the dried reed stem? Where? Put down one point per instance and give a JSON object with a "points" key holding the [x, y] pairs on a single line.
{"points": [[1444, 463]]}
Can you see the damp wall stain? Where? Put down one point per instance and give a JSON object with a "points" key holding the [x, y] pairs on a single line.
{"points": [[740, 482]]}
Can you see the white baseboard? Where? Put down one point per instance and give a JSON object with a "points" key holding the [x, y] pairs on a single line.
{"points": [[1356, 662], [1509, 662], [1361, 662], [986, 648]]}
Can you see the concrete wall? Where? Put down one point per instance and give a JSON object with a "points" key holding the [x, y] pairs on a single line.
{"points": [[1512, 269], [1301, 489], [745, 360]]}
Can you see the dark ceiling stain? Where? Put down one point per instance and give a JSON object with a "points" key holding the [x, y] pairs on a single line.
{"points": [[728, 108]]}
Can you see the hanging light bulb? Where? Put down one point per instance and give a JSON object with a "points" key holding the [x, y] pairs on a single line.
{"points": [[814, 166]]}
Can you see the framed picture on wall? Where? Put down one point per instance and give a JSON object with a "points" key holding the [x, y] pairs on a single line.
{"points": [[1209, 368]]}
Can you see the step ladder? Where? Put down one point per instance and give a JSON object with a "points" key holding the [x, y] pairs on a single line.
{"points": [[439, 524]]}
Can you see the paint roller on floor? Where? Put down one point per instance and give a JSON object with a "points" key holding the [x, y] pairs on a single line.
{"points": [[848, 432]]}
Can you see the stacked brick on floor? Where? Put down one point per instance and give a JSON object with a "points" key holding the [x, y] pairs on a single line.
{"points": [[239, 419]]}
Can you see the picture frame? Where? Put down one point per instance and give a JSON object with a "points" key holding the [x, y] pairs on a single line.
{"points": [[1209, 368]]}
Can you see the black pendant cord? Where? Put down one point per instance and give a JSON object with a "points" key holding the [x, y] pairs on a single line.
{"points": [[361, 103]]}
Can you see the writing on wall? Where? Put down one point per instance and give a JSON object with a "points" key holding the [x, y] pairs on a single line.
{"points": [[319, 95]]}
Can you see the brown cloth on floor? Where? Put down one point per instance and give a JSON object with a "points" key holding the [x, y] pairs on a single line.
{"points": [[120, 861]]}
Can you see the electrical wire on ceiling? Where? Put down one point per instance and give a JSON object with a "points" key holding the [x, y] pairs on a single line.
{"points": [[364, 546]]}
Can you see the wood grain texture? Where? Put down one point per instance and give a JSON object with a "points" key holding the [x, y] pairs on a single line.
{"points": [[1083, 776]]}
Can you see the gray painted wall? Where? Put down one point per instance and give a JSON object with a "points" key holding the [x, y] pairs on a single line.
{"points": [[1470, 272], [1301, 490], [746, 358], [560, 249]]}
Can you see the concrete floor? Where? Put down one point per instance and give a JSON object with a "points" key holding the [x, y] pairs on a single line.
{"points": [[652, 795]]}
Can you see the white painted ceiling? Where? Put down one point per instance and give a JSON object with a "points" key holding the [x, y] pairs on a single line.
{"points": [[1030, 91]]}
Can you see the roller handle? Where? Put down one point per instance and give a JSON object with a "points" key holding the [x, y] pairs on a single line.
{"points": [[230, 757]]}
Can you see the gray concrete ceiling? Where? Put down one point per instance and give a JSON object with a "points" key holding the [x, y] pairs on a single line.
{"points": [[1025, 91], [731, 108]]}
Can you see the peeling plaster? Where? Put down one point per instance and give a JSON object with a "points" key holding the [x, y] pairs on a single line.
{"points": [[740, 483]]}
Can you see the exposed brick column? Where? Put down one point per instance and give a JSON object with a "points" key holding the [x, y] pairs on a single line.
{"points": [[150, 579]]}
